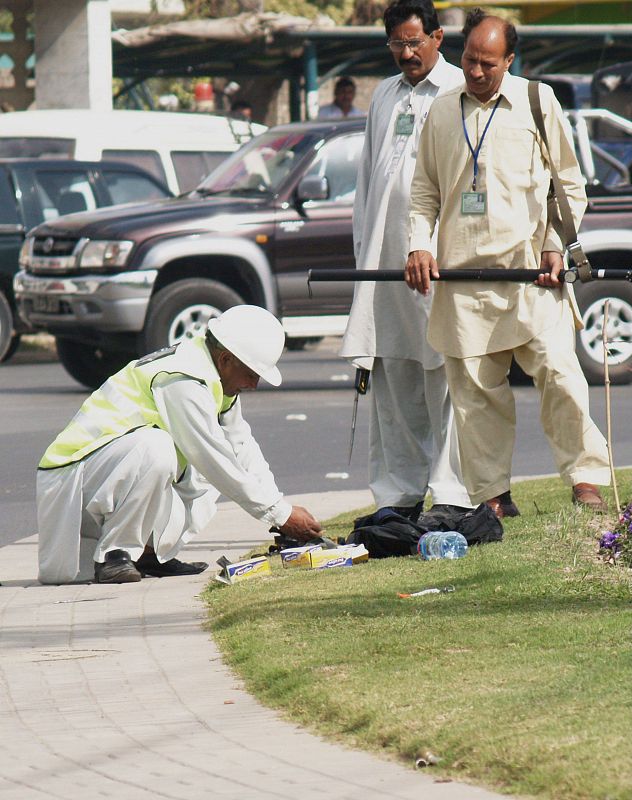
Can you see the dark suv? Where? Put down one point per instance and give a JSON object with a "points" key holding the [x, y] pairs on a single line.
{"points": [[34, 190], [115, 283]]}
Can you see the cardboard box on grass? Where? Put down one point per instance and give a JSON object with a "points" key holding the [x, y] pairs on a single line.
{"points": [[242, 570], [345, 556], [298, 556]]}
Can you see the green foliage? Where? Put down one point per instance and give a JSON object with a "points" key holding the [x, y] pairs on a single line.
{"points": [[6, 21], [341, 11], [519, 680]]}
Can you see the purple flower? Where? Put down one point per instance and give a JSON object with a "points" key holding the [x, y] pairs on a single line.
{"points": [[609, 541]]}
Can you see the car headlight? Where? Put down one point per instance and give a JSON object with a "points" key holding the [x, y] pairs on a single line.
{"points": [[25, 252], [105, 254]]}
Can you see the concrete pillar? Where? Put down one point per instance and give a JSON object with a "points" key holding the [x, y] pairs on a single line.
{"points": [[73, 51]]}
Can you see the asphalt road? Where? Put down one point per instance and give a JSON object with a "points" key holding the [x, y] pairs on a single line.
{"points": [[302, 427]]}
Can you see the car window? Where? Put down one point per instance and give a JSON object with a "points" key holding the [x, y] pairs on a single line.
{"points": [[192, 167], [35, 147], [63, 192], [337, 160], [260, 166], [149, 160], [8, 210], [130, 187]]}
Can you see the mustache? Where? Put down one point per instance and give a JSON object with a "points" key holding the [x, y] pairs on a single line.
{"points": [[414, 62]]}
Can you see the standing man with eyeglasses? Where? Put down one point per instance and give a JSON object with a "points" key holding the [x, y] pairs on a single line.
{"points": [[413, 447]]}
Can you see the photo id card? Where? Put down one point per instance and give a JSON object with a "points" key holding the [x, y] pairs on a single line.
{"points": [[404, 124], [473, 202]]}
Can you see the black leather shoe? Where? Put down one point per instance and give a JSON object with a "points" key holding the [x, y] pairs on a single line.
{"points": [[117, 568], [148, 564]]}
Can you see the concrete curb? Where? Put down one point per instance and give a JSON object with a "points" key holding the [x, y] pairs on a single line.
{"points": [[117, 692]]}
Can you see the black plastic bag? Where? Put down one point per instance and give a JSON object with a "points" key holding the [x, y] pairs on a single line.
{"points": [[386, 533], [479, 525]]}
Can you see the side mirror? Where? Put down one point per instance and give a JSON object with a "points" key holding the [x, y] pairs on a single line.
{"points": [[312, 187]]}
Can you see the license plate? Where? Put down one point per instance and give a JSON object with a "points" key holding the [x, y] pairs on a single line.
{"points": [[46, 304]]}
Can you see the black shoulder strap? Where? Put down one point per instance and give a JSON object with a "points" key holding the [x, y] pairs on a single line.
{"points": [[570, 233]]}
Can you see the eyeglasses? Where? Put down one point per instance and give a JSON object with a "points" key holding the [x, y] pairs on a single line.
{"points": [[398, 45]]}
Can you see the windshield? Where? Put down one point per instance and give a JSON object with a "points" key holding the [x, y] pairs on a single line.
{"points": [[261, 166]]}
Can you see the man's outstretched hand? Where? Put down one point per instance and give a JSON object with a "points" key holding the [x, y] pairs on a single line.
{"points": [[301, 525]]}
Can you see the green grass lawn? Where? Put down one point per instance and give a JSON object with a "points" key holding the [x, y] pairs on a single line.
{"points": [[520, 680]]}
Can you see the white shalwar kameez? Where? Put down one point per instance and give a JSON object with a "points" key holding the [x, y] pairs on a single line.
{"points": [[412, 445], [131, 492]]}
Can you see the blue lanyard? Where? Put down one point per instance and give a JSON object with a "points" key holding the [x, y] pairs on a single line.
{"points": [[480, 141]]}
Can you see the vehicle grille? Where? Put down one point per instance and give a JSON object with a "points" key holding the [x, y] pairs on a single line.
{"points": [[52, 256], [48, 246]]}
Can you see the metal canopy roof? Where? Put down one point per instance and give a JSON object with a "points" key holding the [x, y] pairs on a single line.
{"points": [[275, 45]]}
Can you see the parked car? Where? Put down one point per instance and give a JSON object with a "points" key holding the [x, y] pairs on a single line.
{"points": [[116, 283], [179, 149], [37, 190]]}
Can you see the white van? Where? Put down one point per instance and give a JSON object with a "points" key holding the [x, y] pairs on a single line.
{"points": [[179, 149]]}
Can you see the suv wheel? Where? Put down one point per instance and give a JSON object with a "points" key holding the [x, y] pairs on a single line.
{"points": [[591, 299], [88, 364], [182, 310], [9, 340]]}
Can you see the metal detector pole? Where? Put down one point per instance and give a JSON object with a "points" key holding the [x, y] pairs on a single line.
{"points": [[484, 274]]}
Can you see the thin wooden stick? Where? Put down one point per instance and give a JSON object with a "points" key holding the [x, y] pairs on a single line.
{"points": [[606, 374]]}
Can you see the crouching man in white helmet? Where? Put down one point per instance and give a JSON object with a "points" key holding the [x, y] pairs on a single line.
{"points": [[139, 468]]}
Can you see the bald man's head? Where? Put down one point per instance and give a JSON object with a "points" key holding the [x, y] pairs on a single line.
{"points": [[478, 16], [488, 53]]}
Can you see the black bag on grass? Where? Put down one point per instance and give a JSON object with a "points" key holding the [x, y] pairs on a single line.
{"points": [[386, 533], [479, 525], [392, 535]]}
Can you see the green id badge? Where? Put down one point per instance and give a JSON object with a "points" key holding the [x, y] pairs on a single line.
{"points": [[473, 202], [404, 124]]}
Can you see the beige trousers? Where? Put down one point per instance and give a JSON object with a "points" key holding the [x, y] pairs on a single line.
{"points": [[485, 415]]}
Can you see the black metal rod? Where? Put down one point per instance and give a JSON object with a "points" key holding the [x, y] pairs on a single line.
{"points": [[486, 274]]}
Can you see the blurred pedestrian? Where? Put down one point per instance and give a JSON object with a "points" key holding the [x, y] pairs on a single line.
{"points": [[241, 109], [342, 106]]}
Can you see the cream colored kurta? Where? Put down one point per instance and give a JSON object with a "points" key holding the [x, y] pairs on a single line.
{"points": [[471, 319], [387, 319]]}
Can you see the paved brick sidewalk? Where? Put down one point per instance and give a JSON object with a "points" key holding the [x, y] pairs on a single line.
{"points": [[117, 692]]}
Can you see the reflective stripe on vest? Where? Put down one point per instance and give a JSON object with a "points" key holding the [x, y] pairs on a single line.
{"points": [[125, 402]]}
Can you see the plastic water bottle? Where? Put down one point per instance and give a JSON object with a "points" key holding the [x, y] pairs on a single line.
{"points": [[442, 544]]}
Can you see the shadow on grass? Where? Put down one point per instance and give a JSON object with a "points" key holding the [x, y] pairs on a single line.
{"points": [[467, 600]]}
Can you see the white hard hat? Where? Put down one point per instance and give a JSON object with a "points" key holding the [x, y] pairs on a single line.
{"points": [[254, 335]]}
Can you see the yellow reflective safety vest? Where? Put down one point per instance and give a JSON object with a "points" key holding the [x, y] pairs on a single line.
{"points": [[125, 402]]}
